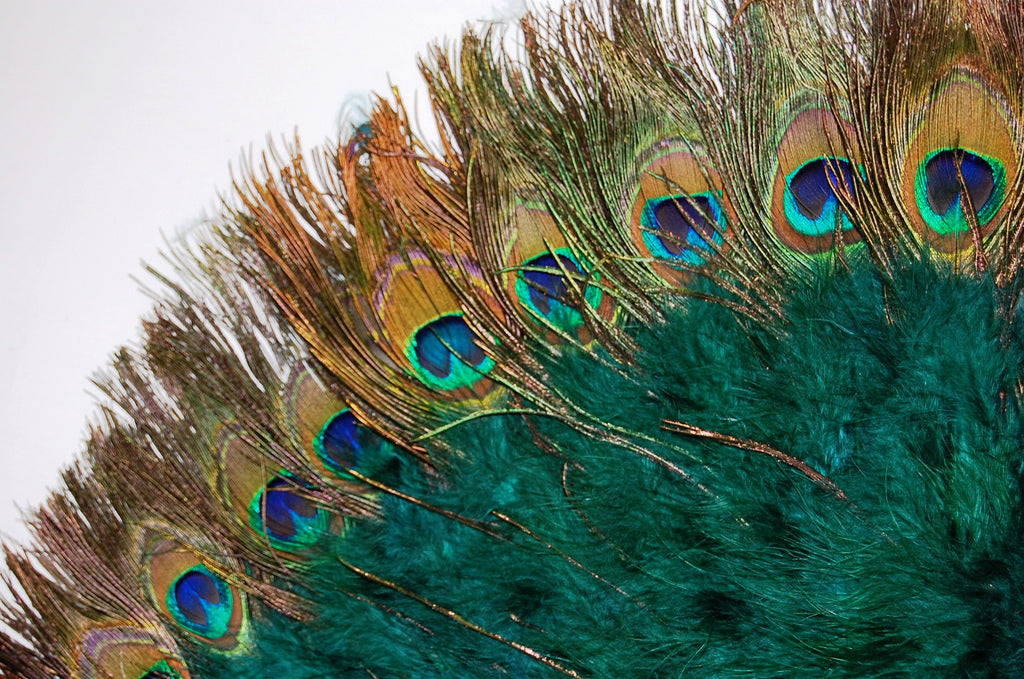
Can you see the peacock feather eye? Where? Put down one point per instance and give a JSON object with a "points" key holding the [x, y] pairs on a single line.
{"points": [[284, 511], [545, 281], [960, 161], [278, 508], [816, 182], [189, 593], [201, 602], [812, 200], [423, 327], [544, 276], [680, 212], [343, 443], [446, 354], [542, 286], [129, 651], [944, 178], [683, 227]]}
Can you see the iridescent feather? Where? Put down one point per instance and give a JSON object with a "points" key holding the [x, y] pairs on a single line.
{"points": [[692, 346]]}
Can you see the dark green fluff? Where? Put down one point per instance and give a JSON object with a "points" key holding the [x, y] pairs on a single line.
{"points": [[748, 568]]}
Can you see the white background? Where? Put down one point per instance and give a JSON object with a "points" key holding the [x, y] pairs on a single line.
{"points": [[122, 118]]}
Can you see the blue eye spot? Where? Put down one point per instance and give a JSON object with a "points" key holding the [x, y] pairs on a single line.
{"points": [[947, 177], [287, 515], [343, 443], [547, 286], [194, 591], [943, 172], [443, 340], [201, 602], [814, 185], [285, 508], [683, 227], [446, 354]]}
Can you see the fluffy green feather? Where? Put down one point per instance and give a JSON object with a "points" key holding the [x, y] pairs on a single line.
{"points": [[743, 567]]}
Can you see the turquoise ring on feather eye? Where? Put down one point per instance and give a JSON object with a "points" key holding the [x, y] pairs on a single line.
{"points": [[683, 227], [201, 602], [287, 515], [949, 176], [960, 161], [419, 312], [342, 444], [811, 201], [816, 181], [445, 354], [542, 286], [680, 214], [191, 594]]}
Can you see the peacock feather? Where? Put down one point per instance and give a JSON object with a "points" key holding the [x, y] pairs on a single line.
{"points": [[694, 347]]}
